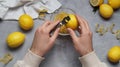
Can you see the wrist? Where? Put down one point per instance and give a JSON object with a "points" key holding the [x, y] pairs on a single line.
{"points": [[37, 52], [83, 53], [86, 60], [31, 59]]}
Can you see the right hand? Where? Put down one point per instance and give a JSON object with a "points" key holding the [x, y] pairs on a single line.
{"points": [[82, 43], [43, 41]]}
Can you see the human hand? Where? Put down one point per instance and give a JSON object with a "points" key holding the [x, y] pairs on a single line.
{"points": [[43, 42], [82, 43]]}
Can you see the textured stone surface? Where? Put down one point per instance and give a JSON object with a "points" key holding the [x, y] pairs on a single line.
{"points": [[63, 53]]}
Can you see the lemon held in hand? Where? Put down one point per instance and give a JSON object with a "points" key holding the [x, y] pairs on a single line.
{"points": [[72, 23], [106, 11], [26, 22], [114, 54], [15, 39], [69, 18]]}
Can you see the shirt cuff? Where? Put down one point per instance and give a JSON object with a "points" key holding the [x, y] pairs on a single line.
{"points": [[90, 60], [32, 59]]}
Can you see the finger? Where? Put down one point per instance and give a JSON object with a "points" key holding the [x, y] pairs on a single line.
{"points": [[54, 36], [46, 24], [86, 23], [81, 22], [72, 33], [52, 25], [79, 30], [81, 25]]}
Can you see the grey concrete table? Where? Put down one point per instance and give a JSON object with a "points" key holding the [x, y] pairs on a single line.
{"points": [[63, 53]]}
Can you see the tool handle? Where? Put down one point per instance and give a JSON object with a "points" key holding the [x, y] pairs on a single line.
{"points": [[57, 26]]}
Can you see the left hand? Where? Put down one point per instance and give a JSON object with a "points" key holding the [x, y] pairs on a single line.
{"points": [[43, 42]]}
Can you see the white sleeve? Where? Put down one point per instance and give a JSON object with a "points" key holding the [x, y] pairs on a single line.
{"points": [[30, 60], [91, 60]]}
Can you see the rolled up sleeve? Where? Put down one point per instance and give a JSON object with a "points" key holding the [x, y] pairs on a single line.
{"points": [[91, 60], [30, 60]]}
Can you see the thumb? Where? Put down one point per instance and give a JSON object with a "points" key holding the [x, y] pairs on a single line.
{"points": [[54, 36], [72, 33]]}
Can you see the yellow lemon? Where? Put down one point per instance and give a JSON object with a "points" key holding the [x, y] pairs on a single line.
{"points": [[115, 4], [72, 23], [60, 16], [15, 39], [114, 54], [63, 29], [96, 3], [26, 22], [106, 11]]}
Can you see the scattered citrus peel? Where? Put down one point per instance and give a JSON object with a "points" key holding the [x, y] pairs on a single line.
{"points": [[42, 13], [117, 34], [107, 29], [111, 28], [96, 28], [101, 29], [7, 58]]}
